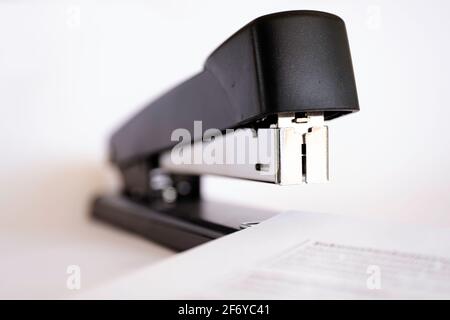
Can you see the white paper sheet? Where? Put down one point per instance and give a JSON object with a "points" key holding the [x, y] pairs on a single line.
{"points": [[302, 255]]}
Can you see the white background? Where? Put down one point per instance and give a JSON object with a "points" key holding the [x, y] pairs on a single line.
{"points": [[72, 71]]}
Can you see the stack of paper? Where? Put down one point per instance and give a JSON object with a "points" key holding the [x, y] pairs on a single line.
{"points": [[302, 255]]}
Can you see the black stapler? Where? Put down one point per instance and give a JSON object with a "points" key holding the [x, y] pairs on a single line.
{"points": [[272, 86]]}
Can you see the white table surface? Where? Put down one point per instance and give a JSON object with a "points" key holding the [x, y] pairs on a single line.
{"points": [[34, 259]]}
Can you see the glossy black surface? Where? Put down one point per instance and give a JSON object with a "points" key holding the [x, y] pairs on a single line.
{"points": [[296, 61]]}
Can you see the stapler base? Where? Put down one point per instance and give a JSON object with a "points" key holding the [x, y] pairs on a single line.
{"points": [[179, 226]]}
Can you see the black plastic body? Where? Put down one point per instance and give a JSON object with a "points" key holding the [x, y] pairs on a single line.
{"points": [[296, 61]]}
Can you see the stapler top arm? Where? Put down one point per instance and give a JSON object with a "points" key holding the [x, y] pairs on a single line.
{"points": [[284, 70]]}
